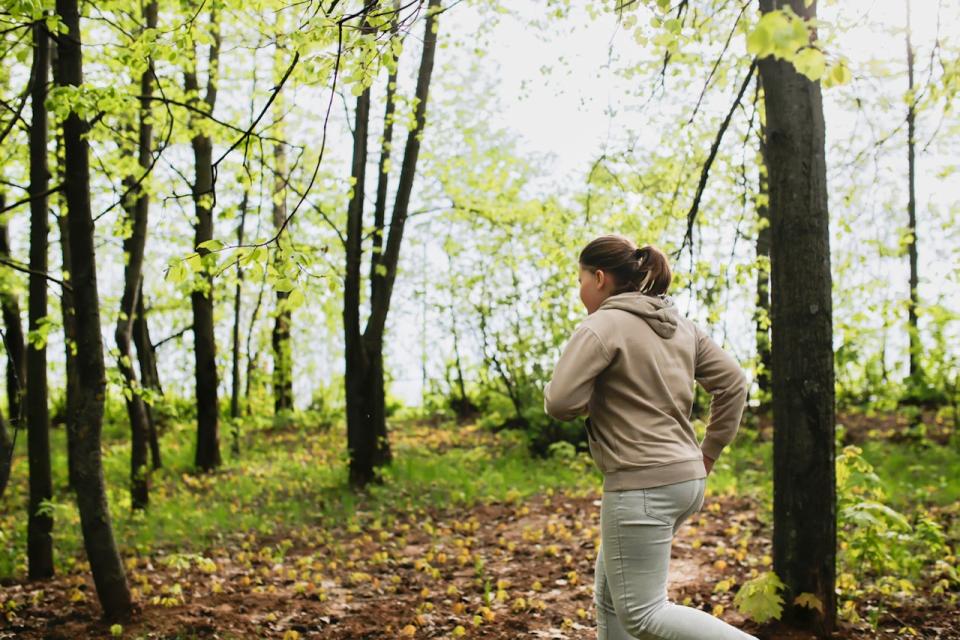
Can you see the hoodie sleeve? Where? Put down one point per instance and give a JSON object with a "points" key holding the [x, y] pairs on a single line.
{"points": [[584, 357], [720, 375]]}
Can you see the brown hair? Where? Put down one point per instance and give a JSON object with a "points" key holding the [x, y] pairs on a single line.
{"points": [[633, 269]]}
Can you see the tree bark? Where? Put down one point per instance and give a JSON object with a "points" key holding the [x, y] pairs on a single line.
{"points": [[359, 440], [68, 311], [147, 356], [136, 205], [208, 437], [762, 316], [6, 443], [6, 455], [238, 290], [804, 503], [86, 424], [280, 337], [39, 521], [16, 373], [912, 328]]}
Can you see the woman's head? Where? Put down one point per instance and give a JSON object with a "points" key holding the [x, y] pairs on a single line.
{"points": [[613, 264]]}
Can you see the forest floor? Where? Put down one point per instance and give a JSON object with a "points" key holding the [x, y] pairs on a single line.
{"points": [[509, 562]]}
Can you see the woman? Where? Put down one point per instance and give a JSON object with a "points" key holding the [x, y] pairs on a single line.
{"points": [[630, 366]]}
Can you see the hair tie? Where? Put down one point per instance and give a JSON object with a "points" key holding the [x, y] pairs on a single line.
{"points": [[638, 254]]}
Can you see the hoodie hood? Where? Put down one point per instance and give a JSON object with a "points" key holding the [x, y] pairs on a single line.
{"points": [[659, 311]]}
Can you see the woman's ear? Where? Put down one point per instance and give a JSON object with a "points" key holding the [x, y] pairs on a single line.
{"points": [[600, 277]]}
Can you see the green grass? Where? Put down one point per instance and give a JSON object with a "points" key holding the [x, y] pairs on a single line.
{"points": [[284, 479]]}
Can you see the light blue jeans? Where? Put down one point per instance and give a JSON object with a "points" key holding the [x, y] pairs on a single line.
{"points": [[636, 530]]}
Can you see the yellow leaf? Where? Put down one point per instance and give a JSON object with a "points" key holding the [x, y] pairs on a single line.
{"points": [[809, 600]]}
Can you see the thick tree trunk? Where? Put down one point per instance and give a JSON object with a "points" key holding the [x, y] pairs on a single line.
{"points": [[86, 424], [804, 503], [913, 331], [208, 436], [147, 356], [136, 205], [39, 520], [280, 337]]}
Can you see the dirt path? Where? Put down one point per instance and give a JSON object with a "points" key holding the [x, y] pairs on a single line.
{"points": [[500, 571]]}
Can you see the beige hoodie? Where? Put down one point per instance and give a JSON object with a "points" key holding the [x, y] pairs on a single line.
{"points": [[631, 366]]}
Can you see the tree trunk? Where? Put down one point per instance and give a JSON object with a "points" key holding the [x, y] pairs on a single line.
{"points": [[147, 356], [13, 343], [6, 452], [360, 442], [385, 276], [136, 204], [39, 521], [68, 311], [762, 316], [912, 329], [86, 424], [6, 443], [235, 358], [280, 337], [804, 502], [67, 307], [208, 437]]}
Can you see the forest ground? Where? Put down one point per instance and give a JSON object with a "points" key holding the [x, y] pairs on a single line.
{"points": [[468, 537]]}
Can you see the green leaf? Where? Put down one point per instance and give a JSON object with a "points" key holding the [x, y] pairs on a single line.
{"points": [[210, 245], [811, 63], [758, 598]]}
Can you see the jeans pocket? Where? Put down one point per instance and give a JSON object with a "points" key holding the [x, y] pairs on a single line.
{"points": [[658, 503]]}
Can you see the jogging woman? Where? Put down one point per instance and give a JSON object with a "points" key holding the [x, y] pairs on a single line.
{"points": [[630, 366]]}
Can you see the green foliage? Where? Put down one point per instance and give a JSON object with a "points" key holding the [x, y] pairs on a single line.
{"points": [[759, 598], [880, 549]]}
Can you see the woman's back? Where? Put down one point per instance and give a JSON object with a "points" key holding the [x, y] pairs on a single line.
{"points": [[631, 365]]}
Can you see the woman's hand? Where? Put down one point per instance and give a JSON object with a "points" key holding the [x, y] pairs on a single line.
{"points": [[708, 464]]}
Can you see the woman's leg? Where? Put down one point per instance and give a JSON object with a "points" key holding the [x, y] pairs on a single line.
{"points": [[636, 532], [608, 626]]}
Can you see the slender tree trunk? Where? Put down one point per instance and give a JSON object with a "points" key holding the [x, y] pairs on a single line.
{"points": [[359, 440], [208, 437], [252, 357], [67, 306], [386, 276], [6, 442], [147, 356], [136, 205], [16, 373], [464, 406], [383, 171], [68, 311], [280, 338], [108, 572], [912, 329], [804, 502], [238, 290], [6, 454], [39, 521], [762, 316]]}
